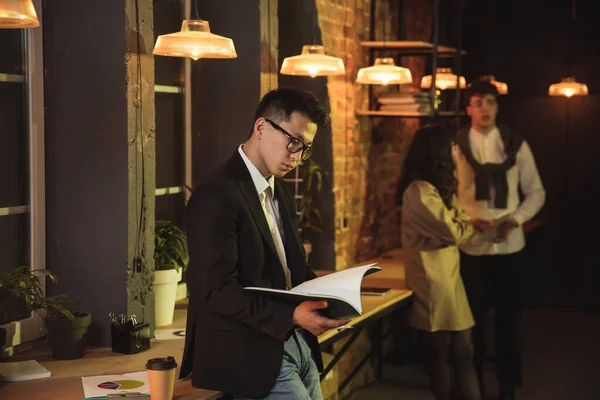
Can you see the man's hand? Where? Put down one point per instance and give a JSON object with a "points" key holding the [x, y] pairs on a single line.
{"points": [[307, 316], [505, 229], [481, 225]]}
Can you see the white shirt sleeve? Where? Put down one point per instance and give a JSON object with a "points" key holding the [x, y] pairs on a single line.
{"points": [[531, 185]]}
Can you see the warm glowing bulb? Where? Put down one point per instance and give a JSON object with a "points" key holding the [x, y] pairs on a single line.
{"points": [[384, 72], [568, 87], [195, 41], [312, 62]]}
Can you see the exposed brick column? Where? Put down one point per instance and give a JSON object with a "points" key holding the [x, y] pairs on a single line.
{"points": [[367, 152], [269, 45]]}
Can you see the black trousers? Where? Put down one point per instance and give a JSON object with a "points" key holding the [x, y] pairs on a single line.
{"points": [[497, 281]]}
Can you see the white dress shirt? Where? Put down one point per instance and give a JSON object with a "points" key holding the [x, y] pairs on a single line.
{"points": [[270, 205], [490, 149]]}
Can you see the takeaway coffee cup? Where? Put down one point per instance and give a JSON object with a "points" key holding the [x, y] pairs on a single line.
{"points": [[161, 375]]}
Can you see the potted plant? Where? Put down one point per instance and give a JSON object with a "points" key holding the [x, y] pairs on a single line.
{"points": [[67, 328], [170, 258], [311, 220]]}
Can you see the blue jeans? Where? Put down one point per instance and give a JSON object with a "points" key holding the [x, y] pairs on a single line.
{"points": [[299, 377]]}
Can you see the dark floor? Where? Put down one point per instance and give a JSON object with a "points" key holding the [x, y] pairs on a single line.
{"points": [[561, 362]]}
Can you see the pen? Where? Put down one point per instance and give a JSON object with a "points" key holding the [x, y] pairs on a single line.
{"points": [[124, 394]]}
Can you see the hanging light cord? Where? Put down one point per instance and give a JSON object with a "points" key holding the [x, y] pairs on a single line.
{"points": [[314, 19], [269, 42], [344, 222], [571, 24], [138, 260], [387, 23], [196, 8]]}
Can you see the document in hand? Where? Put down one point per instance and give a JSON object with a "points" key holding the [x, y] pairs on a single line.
{"points": [[340, 289]]}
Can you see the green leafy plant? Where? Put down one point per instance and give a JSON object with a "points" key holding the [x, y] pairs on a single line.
{"points": [[311, 219], [23, 285], [170, 247]]}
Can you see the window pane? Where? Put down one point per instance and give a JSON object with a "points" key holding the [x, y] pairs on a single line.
{"points": [[170, 208], [167, 19], [14, 233], [13, 171], [169, 140], [11, 61], [11, 308]]}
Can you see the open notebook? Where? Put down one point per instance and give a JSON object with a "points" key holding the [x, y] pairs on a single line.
{"points": [[341, 290]]}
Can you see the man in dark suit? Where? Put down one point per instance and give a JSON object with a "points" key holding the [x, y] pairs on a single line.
{"points": [[242, 231]]}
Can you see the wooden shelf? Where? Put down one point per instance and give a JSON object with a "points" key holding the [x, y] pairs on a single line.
{"points": [[408, 114], [408, 47]]}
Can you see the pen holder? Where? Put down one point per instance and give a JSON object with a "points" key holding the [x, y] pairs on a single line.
{"points": [[129, 338]]}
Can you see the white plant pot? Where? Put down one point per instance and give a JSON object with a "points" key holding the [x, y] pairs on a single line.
{"points": [[165, 290]]}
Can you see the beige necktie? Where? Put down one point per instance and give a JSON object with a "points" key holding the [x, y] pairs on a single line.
{"points": [[275, 228]]}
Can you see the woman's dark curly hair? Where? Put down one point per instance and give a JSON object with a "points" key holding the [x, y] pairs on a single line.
{"points": [[429, 158]]}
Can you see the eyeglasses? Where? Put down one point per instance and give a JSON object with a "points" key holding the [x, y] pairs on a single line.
{"points": [[294, 145]]}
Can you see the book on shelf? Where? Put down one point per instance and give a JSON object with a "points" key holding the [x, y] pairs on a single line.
{"points": [[400, 107], [340, 289]]}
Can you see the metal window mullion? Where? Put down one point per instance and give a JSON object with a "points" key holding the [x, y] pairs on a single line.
{"points": [[168, 89], [187, 112], [35, 112], [168, 190], [13, 210], [12, 78]]}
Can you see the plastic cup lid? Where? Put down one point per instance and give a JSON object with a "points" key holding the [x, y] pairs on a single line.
{"points": [[160, 364]]}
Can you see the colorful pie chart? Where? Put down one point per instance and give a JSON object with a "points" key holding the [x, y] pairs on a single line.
{"points": [[121, 385]]}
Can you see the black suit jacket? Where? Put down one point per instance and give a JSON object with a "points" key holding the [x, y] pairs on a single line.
{"points": [[234, 339]]}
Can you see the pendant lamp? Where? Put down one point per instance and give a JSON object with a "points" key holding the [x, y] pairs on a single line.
{"points": [[18, 14], [568, 87], [384, 72], [312, 62], [500, 86], [194, 41], [444, 79]]}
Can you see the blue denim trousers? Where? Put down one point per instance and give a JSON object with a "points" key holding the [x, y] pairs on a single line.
{"points": [[298, 378]]}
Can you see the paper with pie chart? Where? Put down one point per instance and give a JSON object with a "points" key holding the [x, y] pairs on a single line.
{"points": [[97, 387]]}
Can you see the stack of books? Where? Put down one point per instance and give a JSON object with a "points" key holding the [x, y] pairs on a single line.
{"points": [[413, 102]]}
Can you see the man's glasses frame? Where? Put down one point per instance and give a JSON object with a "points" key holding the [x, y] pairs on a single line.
{"points": [[294, 145]]}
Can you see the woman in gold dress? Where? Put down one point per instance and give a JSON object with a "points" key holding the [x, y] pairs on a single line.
{"points": [[433, 227]]}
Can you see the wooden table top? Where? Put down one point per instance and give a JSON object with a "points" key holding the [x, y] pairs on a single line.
{"points": [[373, 307], [65, 382], [391, 274]]}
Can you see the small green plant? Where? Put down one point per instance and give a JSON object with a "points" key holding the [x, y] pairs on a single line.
{"points": [[170, 247], [24, 285], [311, 219]]}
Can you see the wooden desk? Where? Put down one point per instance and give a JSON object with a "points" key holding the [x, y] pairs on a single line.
{"points": [[391, 274], [65, 382], [373, 307]]}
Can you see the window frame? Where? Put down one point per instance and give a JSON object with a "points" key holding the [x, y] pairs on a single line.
{"points": [[27, 329]]}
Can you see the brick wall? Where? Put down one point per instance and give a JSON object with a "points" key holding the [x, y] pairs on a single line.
{"points": [[269, 45], [367, 152]]}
